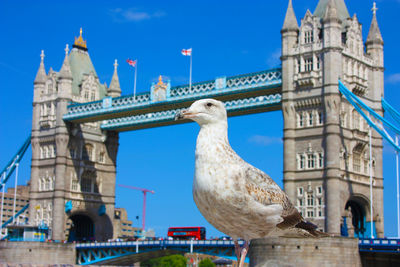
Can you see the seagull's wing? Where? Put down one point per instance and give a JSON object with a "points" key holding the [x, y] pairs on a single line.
{"points": [[265, 191]]}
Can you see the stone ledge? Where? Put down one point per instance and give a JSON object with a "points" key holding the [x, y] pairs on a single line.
{"points": [[304, 252]]}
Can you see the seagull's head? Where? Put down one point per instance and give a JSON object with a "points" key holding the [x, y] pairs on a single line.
{"points": [[204, 111]]}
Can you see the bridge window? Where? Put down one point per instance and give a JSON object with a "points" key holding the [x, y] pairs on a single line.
{"points": [[311, 159], [356, 120], [42, 153], [310, 118], [311, 203], [300, 191], [320, 118], [308, 37], [88, 152], [102, 157], [343, 119], [356, 162], [302, 161], [298, 65], [308, 64], [44, 213], [320, 160], [310, 213], [93, 96], [47, 151], [310, 199], [74, 185], [319, 191], [300, 120], [320, 214], [49, 87], [88, 183], [366, 165], [318, 62]]}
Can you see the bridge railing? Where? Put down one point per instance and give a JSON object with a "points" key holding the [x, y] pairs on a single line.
{"points": [[379, 245], [219, 86], [169, 115]]}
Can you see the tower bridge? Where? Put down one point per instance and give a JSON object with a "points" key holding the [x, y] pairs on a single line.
{"points": [[76, 124]]}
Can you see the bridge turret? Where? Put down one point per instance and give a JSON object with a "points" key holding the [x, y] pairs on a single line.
{"points": [[290, 22], [40, 79], [374, 48], [289, 36], [65, 78], [114, 90], [41, 74], [332, 61]]}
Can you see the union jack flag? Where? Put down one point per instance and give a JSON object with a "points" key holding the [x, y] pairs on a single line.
{"points": [[131, 62], [187, 52]]}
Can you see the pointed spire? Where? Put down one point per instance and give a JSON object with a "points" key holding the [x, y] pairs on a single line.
{"points": [[341, 9], [331, 12], [65, 71], [114, 90], [290, 22], [41, 74], [374, 35]]}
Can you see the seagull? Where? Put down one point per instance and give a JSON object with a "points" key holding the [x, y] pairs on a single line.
{"points": [[235, 197]]}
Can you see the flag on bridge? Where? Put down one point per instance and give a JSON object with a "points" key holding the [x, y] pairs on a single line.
{"points": [[187, 52], [131, 62]]}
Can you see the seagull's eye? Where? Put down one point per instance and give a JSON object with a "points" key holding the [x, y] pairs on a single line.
{"points": [[209, 104]]}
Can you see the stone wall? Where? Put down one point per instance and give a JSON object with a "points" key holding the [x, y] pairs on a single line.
{"points": [[34, 253], [304, 252]]}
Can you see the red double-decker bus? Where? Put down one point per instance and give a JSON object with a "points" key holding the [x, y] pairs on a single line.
{"points": [[185, 233]]}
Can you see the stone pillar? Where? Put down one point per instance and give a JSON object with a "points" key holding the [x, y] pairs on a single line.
{"points": [[332, 63], [289, 39], [61, 141]]}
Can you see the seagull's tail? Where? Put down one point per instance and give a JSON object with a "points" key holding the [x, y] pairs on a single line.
{"points": [[311, 229]]}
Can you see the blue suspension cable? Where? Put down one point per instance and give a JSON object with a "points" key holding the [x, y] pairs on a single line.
{"points": [[352, 99], [394, 113], [348, 93], [10, 167]]}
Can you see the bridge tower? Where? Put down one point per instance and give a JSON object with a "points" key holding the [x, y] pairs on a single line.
{"points": [[72, 186], [326, 142]]}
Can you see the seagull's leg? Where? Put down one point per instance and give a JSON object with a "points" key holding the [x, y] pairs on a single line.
{"points": [[243, 253], [237, 250]]}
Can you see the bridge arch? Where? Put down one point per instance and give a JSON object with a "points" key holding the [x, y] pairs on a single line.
{"points": [[87, 225], [358, 207], [81, 227]]}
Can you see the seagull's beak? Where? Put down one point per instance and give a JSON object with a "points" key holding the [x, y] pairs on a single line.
{"points": [[184, 114]]}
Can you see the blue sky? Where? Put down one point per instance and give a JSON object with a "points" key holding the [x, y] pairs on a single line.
{"points": [[228, 38]]}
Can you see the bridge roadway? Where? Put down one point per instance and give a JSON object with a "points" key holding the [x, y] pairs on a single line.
{"points": [[242, 94], [126, 253]]}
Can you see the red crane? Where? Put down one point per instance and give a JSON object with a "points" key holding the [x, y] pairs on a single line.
{"points": [[145, 191]]}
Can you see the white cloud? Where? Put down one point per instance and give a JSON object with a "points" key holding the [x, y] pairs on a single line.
{"points": [[393, 78], [264, 140], [134, 15]]}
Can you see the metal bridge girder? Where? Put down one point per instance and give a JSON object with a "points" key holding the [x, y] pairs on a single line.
{"points": [[97, 253], [243, 94]]}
